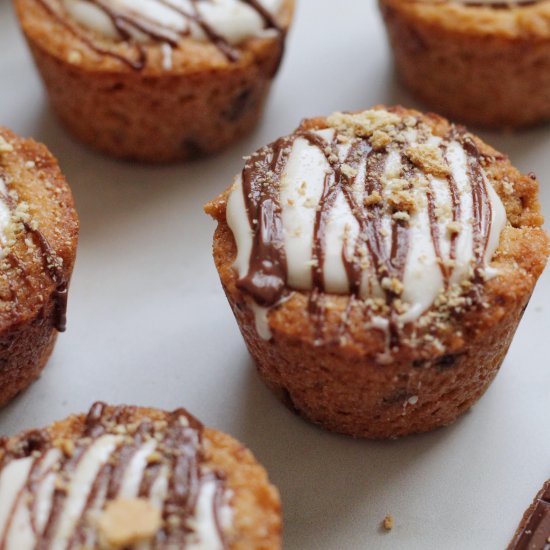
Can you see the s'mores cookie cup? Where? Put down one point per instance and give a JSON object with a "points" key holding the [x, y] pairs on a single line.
{"points": [[157, 80], [134, 478], [378, 265], [483, 62], [38, 239]]}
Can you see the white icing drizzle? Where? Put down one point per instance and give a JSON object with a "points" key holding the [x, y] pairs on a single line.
{"points": [[206, 539], [301, 186], [27, 488], [234, 20]]}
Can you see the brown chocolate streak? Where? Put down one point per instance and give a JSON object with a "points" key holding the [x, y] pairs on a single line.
{"points": [[57, 275], [500, 5], [267, 276]]}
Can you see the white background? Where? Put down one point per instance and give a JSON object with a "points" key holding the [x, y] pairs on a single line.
{"points": [[149, 325]]}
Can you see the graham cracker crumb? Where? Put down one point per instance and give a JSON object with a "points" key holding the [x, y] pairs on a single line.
{"points": [[388, 522], [428, 158], [380, 139], [74, 57], [403, 201], [454, 228], [154, 458], [393, 284], [374, 198], [127, 522], [349, 171], [5, 146], [66, 446], [363, 124]]}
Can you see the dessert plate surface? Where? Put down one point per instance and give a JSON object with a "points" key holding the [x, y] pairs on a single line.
{"points": [[149, 324]]}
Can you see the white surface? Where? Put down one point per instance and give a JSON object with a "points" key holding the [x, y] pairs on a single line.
{"points": [[148, 322]]}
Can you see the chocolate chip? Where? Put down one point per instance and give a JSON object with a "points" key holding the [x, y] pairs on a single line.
{"points": [[240, 105], [447, 361]]}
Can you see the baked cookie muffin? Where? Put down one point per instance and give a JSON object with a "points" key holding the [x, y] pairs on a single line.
{"points": [[134, 478], [378, 264], [157, 80], [38, 238], [484, 62], [534, 530]]}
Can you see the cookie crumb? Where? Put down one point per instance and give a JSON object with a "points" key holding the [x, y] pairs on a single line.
{"points": [[74, 57], [363, 124], [428, 158], [5, 146], [388, 522]]}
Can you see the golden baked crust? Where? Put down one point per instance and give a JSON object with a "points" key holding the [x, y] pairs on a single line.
{"points": [[190, 57], [344, 383], [528, 21], [478, 65], [200, 106], [29, 301], [256, 503]]}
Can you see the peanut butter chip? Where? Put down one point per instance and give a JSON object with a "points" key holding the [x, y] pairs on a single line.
{"points": [[127, 522]]}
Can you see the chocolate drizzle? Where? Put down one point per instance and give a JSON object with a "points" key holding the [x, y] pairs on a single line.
{"points": [[57, 274], [128, 22], [498, 4], [178, 441], [267, 278]]}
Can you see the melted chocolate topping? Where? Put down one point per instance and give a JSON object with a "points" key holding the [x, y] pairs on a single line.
{"points": [[125, 23], [267, 278], [57, 275], [178, 442], [498, 4]]}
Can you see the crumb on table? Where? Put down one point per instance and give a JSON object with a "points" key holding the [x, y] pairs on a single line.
{"points": [[388, 522]]}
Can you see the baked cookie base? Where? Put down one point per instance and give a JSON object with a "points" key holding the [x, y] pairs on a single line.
{"points": [[24, 352], [480, 78], [162, 119], [358, 396], [190, 102]]}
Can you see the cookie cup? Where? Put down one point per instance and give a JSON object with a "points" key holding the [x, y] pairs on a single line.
{"points": [[255, 503], [37, 257], [483, 66], [200, 105], [349, 377]]}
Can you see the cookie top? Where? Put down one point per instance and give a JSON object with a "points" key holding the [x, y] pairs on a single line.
{"points": [[156, 33], [401, 214], [117, 479], [501, 18], [38, 231]]}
